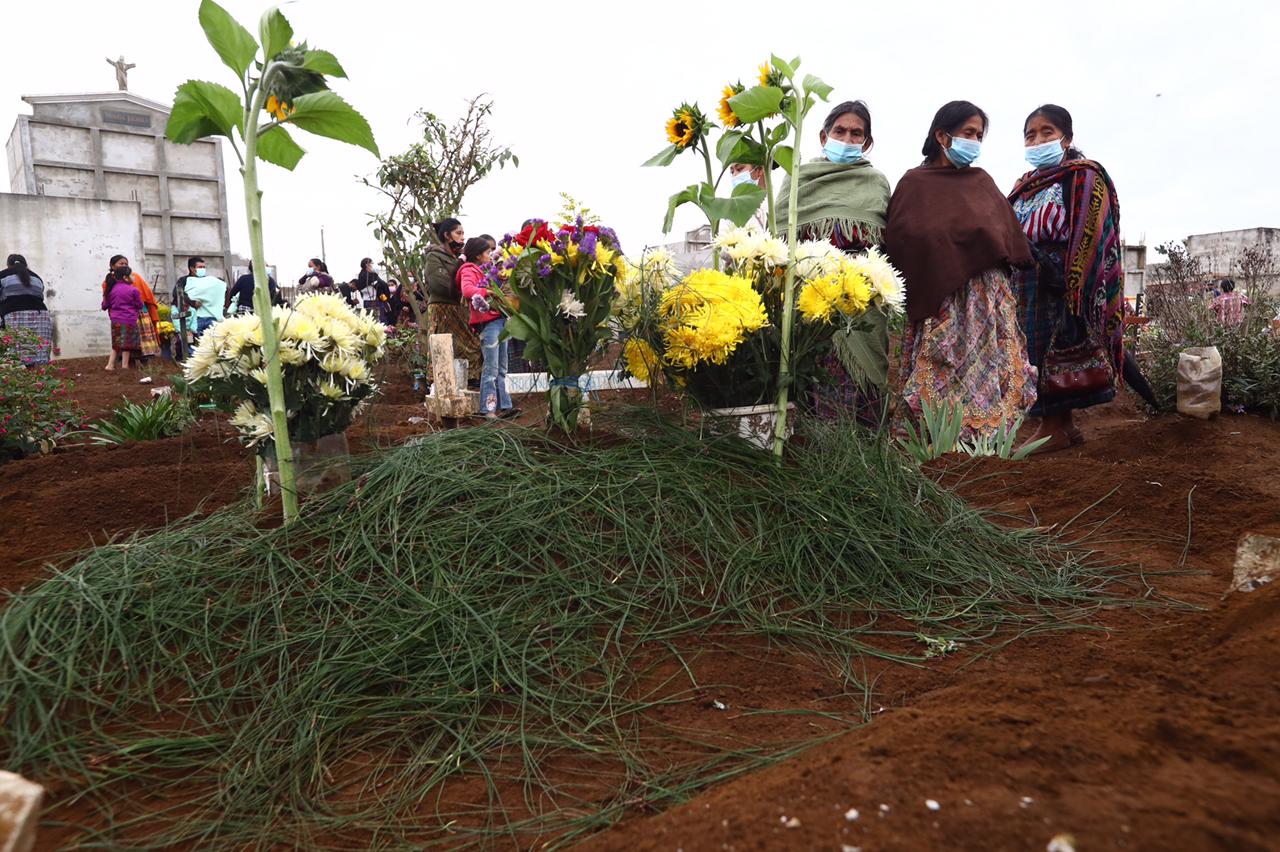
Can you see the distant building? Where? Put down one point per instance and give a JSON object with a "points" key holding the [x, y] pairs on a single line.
{"points": [[1135, 270], [694, 251], [111, 146], [91, 176], [1219, 253]]}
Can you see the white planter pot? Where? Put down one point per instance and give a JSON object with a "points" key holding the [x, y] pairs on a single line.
{"points": [[755, 424]]}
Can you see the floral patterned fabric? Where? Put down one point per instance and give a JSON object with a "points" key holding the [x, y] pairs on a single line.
{"points": [[971, 352]]}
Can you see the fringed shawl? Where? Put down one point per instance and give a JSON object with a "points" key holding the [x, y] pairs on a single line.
{"points": [[848, 199], [1094, 267]]}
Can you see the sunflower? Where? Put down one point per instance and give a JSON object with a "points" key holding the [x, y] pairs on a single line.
{"points": [[727, 115], [680, 129], [278, 108], [770, 76]]}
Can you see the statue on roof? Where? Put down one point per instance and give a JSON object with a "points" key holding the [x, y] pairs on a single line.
{"points": [[122, 72]]}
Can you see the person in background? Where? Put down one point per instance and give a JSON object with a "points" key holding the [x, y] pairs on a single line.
{"points": [[1229, 307], [372, 287], [393, 309], [844, 200], [150, 342], [350, 292], [22, 306], [241, 293], [317, 278], [487, 322], [955, 239], [207, 294], [742, 173], [1070, 302], [123, 304], [182, 315], [445, 312]]}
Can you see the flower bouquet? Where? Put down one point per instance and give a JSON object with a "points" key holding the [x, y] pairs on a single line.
{"points": [[326, 352], [717, 335], [557, 289]]}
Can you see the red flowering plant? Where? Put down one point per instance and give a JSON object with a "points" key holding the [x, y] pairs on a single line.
{"points": [[36, 408]]}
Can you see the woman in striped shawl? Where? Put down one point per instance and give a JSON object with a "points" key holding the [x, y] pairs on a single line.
{"points": [[1072, 300]]}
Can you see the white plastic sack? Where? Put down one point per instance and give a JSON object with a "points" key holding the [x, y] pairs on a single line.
{"points": [[1200, 382]]}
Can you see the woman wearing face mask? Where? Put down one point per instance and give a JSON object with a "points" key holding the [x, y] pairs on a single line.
{"points": [[955, 239], [844, 200], [446, 314], [1071, 303], [317, 278]]}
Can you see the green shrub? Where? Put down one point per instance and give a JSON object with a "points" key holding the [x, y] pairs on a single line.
{"points": [[36, 408], [160, 418]]}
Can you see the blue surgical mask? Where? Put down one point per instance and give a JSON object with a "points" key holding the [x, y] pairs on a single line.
{"points": [[963, 151], [1045, 155], [201, 272], [842, 153], [742, 177]]}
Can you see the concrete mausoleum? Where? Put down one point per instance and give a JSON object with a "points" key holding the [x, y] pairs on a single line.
{"points": [[91, 175]]}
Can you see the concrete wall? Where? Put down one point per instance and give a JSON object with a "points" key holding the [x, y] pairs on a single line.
{"points": [[68, 241], [1219, 251]]}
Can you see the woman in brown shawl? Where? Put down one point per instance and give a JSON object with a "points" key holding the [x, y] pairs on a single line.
{"points": [[954, 237], [446, 314]]}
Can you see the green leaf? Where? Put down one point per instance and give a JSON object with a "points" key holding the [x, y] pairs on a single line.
{"points": [[787, 69], [738, 208], [232, 42], [277, 146], [778, 133], [665, 157], [203, 109], [684, 196], [784, 155], [323, 62], [518, 327], [326, 114], [738, 147], [756, 104], [275, 32], [813, 85]]}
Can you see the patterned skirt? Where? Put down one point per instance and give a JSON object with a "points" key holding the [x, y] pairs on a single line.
{"points": [[125, 337], [971, 353], [41, 325], [455, 320], [842, 396], [147, 337]]}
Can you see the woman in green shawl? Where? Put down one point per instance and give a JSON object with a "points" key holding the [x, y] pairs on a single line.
{"points": [[845, 200]]}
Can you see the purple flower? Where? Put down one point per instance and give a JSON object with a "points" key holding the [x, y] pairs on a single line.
{"points": [[610, 238], [587, 245], [544, 266]]}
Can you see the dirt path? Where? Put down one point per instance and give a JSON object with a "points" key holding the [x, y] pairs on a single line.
{"points": [[1162, 733]]}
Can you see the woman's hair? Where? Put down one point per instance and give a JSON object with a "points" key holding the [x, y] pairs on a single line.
{"points": [[858, 108], [949, 119], [117, 276], [488, 238], [1228, 285], [319, 265], [364, 262], [445, 227], [1061, 119], [116, 258], [475, 247], [18, 264]]}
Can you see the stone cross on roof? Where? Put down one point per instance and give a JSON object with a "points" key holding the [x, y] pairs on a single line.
{"points": [[122, 72]]}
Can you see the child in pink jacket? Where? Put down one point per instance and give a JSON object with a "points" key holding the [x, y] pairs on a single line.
{"points": [[488, 323]]}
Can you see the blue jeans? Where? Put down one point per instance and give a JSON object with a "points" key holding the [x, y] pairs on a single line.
{"points": [[202, 323], [493, 377]]}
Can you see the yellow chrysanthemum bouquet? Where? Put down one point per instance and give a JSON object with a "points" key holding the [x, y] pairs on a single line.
{"points": [[327, 352], [718, 334]]}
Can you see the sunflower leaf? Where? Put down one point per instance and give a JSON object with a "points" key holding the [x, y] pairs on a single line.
{"points": [[783, 67], [665, 157], [815, 86], [737, 208], [326, 114], [738, 147], [277, 146], [323, 62], [684, 196], [756, 104], [275, 32], [203, 109], [231, 40], [784, 155]]}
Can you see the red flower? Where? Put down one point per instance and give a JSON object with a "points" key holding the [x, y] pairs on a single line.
{"points": [[529, 235]]}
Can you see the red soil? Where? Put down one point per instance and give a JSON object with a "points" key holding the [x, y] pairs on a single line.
{"points": [[1161, 731]]}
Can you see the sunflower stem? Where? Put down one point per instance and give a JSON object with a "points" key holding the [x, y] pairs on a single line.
{"points": [[715, 223], [768, 179], [799, 102]]}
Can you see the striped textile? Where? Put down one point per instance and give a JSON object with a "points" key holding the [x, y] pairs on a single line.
{"points": [[38, 323]]}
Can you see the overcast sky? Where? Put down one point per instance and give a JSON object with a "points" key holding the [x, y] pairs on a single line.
{"points": [[1177, 99]]}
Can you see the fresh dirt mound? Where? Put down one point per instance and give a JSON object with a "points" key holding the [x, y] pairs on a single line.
{"points": [[1163, 733]]}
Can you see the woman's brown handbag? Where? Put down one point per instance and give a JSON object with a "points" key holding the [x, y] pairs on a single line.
{"points": [[1081, 369]]}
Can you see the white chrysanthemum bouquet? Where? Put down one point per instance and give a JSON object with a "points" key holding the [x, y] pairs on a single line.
{"points": [[327, 352]]}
